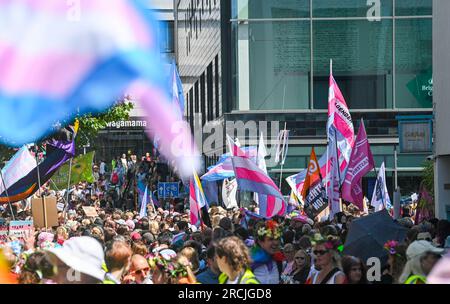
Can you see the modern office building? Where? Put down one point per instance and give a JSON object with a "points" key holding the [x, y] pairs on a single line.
{"points": [[253, 60], [129, 136]]}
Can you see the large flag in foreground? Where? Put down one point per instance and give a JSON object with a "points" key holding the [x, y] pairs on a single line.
{"points": [[197, 200], [380, 197], [58, 152], [81, 172], [57, 61], [361, 162], [251, 178]]}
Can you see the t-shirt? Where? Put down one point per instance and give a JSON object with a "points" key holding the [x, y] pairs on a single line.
{"points": [[208, 277]]}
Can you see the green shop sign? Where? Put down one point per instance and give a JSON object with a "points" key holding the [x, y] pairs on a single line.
{"points": [[422, 88]]}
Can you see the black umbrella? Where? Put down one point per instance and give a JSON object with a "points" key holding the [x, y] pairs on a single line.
{"points": [[367, 236]]}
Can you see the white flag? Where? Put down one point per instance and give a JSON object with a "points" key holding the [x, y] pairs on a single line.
{"points": [[143, 211], [380, 196], [282, 147], [229, 191]]}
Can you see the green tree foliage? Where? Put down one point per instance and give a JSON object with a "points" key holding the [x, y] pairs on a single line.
{"points": [[90, 124], [428, 176]]}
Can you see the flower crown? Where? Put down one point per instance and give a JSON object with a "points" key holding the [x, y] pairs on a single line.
{"points": [[330, 242], [390, 246], [271, 230], [172, 269]]}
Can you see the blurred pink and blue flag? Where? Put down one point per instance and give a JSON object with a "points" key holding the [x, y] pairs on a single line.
{"points": [[251, 178], [58, 61]]}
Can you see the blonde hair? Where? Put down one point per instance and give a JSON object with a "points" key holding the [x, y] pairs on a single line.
{"points": [[192, 255], [153, 227]]}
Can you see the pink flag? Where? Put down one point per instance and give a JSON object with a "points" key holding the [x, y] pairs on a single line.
{"points": [[339, 119], [361, 162]]}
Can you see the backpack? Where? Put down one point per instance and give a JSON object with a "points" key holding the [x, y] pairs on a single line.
{"points": [[115, 178]]}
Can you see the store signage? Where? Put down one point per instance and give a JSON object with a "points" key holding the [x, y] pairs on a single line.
{"points": [[415, 135]]}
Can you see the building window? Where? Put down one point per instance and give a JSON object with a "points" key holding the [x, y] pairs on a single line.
{"points": [[347, 8], [273, 64], [282, 50], [210, 91], [362, 62], [216, 85], [414, 53], [166, 36], [203, 98]]}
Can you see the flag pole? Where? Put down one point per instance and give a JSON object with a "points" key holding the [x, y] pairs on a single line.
{"points": [[283, 158], [44, 208], [7, 195], [68, 187]]}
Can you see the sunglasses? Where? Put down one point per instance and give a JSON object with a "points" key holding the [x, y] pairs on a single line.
{"points": [[320, 252], [300, 258]]}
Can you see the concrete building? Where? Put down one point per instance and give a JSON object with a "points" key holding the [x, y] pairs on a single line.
{"points": [[253, 60], [441, 72]]}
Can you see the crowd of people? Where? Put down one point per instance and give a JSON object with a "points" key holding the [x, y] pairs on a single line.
{"points": [[118, 246]]}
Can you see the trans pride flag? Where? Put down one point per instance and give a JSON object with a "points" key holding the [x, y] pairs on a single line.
{"points": [[251, 178], [59, 59]]}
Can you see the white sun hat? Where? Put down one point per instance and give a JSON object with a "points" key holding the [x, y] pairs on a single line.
{"points": [[83, 254]]}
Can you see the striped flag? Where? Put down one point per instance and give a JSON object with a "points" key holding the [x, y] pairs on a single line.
{"points": [[253, 179], [83, 67], [197, 200]]}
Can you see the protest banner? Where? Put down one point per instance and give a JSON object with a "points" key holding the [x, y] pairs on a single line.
{"points": [[3, 231], [19, 229], [90, 211]]}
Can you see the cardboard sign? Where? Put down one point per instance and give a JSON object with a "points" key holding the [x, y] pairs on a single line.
{"points": [[90, 211], [3, 231], [19, 229], [45, 214]]}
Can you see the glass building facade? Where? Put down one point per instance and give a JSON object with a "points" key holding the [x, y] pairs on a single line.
{"points": [[382, 56], [274, 65]]}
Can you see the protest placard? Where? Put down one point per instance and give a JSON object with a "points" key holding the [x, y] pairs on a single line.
{"points": [[18, 229], [90, 211]]}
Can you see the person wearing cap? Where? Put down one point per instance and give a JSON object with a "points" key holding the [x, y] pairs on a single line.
{"points": [[422, 256], [78, 261]]}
